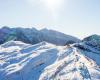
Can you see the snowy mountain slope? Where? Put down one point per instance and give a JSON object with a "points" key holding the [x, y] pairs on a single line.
{"points": [[45, 61], [90, 45], [15, 65], [56, 37], [75, 66], [93, 41], [14, 43], [33, 36]]}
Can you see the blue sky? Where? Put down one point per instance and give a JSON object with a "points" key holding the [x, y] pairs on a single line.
{"points": [[79, 18]]}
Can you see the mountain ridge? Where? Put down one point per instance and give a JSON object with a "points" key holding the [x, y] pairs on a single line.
{"points": [[33, 36]]}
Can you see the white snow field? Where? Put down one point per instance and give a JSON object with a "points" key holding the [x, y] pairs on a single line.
{"points": [[45, 61]]}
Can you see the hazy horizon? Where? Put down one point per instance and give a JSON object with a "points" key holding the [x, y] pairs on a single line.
{"points": [[72, 17]]}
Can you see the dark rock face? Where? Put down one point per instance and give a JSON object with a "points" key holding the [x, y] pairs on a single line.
{"points": [[33, 36]]}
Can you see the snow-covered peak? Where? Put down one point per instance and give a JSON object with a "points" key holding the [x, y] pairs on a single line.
{"points": [[45, 61]]}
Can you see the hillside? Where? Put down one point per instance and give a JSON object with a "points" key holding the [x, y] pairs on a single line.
{"points": [[46, 61]]}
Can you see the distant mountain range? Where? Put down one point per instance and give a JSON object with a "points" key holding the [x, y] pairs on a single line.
{"points": [[33, 36]]}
